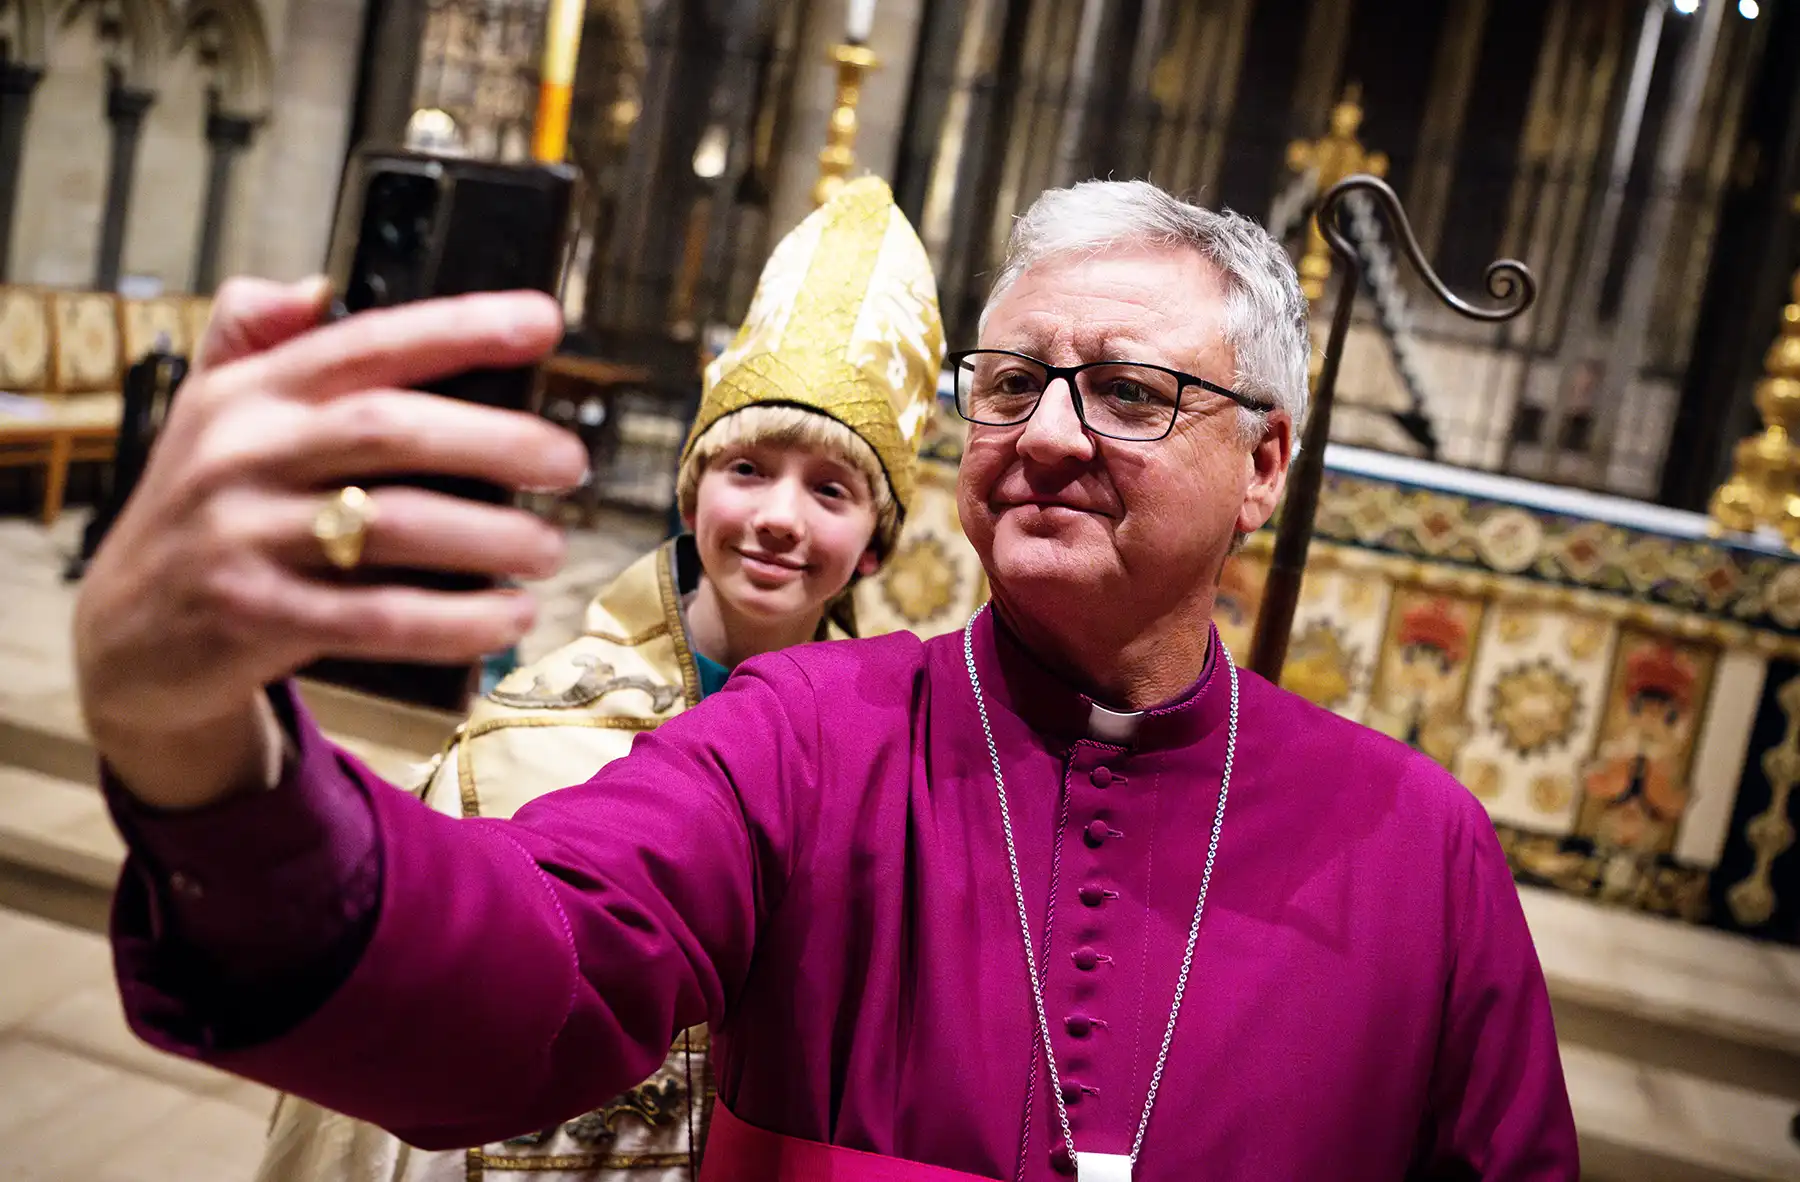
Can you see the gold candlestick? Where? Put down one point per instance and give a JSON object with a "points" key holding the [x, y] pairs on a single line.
{"points": [[1764, 488], [1335, 155], [839, 153]]}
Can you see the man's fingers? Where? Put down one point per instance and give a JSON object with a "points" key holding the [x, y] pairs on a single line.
{"points": [[252, 315], [414, 529], [415, 344], [392, 623], [402, 432]]}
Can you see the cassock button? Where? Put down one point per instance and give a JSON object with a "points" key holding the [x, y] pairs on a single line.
{"points": [[1079, 1025], [1093, 894], [1085, 958], [1062, 1162], [1071, 1094], [1096, 833], [1100, 777]]}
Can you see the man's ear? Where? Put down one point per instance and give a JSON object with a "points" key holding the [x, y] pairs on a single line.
{"points": [[1269, 460]]}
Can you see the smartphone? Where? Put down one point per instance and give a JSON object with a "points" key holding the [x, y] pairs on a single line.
{"points": [[414, 226]]}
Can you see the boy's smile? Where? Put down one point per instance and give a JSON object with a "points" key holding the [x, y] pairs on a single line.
{"points": [[770, 570]]}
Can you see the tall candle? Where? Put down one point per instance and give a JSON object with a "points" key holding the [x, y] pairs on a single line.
{"points": [[556, 80], [862, 20]]}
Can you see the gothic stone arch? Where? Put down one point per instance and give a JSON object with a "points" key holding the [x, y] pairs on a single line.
{"points": [[231, 39], [143, 30]]}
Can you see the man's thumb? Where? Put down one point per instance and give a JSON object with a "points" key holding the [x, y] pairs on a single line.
{"points": [[254, 315]]}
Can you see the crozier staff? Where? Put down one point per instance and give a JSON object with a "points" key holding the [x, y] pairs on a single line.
{"points": [[1063, 891]]}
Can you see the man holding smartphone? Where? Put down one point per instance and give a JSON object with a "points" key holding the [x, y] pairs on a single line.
{"points": [[1065, 894]]}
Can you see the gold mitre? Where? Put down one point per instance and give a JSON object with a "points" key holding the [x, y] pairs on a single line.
{"points": [[844, 322]]}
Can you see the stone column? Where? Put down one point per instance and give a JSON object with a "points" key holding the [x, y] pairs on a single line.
{"points": [[287, 190], [389, 68], [125, 109], [226, 136], [17, 82]]}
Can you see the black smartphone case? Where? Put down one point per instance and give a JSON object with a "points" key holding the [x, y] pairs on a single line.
{"points": [[414, 226]]}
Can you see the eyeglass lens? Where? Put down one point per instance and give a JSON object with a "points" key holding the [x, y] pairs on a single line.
{"points": [[1120, 400]]}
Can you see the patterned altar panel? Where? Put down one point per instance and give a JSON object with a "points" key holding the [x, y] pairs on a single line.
{"points": [[1534, 702], [1621, 690], [1421, 686], [1334, 647], [1635, 789], [1739, 679]]}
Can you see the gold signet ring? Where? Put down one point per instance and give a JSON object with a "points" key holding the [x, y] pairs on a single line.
{"points": [[342, 525]]}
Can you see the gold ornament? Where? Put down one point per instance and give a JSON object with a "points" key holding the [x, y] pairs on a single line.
{"points": [[1770, 833], [1482, 778], [1334, 156], [1584, 637], [919, 581], [1517, 627], [1320, 667], [1535, 707], [1764, 489], [839, 153], [1509, 540], [1551, 793]]}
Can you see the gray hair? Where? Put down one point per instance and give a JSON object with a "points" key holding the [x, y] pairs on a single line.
{"points": [[1265, 312]]}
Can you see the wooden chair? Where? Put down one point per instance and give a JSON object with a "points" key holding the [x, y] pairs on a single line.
{"points": [[30, 430], [62, 357]]}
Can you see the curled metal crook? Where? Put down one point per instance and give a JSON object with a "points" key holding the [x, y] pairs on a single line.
{"points": [[1507, 280]]}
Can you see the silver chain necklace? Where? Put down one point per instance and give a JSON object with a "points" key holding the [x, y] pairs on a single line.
{"points": [[1031, 965]]}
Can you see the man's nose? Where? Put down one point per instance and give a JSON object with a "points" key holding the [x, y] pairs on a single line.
{"points": [[1054, 432]]}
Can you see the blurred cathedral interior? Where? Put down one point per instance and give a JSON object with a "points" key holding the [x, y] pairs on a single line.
{"points": [[1560, 555]]}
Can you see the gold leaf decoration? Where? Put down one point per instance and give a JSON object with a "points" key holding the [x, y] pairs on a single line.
{"points": [[1516, 627], [1482, 777], [1321, 667], [919, 581], [1584, 637], [1534, 707], [1552, 792]]}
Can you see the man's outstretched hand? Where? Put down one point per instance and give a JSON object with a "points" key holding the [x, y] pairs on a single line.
{"points": [[211, 585]]}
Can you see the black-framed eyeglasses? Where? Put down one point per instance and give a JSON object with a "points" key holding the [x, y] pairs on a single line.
{"points": [[1126, 400]]}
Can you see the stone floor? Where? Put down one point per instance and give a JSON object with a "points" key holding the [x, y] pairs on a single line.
{"points": [[82, 1100]]}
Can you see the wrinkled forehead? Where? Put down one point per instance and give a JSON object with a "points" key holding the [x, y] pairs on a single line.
{"points": [[1167, 305]]}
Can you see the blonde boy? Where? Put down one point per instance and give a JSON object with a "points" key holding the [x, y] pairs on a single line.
{"points": [[794, 483]]}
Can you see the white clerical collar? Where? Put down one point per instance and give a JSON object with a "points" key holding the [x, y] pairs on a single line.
{"points": [[1110, 726]]}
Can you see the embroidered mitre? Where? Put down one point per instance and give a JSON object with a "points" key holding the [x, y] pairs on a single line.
{"points": [[844, 322]]}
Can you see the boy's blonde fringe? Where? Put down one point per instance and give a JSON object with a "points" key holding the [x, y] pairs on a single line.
{"points": [[792, 426]]}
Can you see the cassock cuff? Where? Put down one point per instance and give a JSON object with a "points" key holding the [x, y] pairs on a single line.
{"points": [[234, 922]]}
